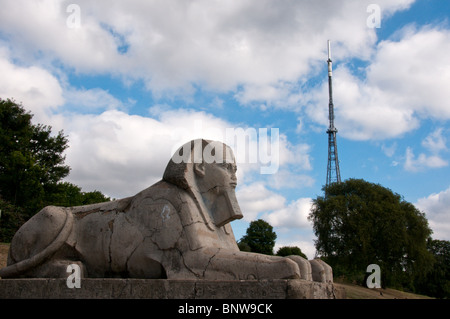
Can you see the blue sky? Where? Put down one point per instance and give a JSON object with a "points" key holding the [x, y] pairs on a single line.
{"points": [[129, 81]]}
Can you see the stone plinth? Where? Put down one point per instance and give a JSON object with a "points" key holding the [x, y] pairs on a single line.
{"points": [[50, 288]]}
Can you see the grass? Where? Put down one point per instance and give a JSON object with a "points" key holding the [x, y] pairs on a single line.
{"points": [[359, 292]]}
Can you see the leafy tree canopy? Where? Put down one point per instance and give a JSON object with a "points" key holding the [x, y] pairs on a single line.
{"points": [[358, 223], [31, 170], [437, 282], [290, 250], [260, 237], [31, 157]]}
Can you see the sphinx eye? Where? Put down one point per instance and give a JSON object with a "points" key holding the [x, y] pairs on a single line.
{"points": [[230, 167], [227, 166]]}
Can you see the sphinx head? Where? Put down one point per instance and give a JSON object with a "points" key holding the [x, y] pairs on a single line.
{"points": [[207, 170]]}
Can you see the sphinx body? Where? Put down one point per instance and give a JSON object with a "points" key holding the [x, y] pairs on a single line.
{"points": [[177, 228]]}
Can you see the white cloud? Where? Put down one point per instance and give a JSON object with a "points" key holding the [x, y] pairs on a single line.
{"points": [[114, 152], [289, 218], [35, 87], [255, 199], [361, 112], [41, 26], [435, 141], [286, 178], [389, 151], [423, 161], [293, 215], [256, 47], [93, 100], [405, 82], [414, 72], [120, 154], [243, 47], [436, 208]]}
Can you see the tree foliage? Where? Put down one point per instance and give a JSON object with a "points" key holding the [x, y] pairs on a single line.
{"points": [[437, 282], [290, 250], [11, 218], [260, 237], [67, 194], [358, 223], [31, 157], [31, 169], [243, 246]]}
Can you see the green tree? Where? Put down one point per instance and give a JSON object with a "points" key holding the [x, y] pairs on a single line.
{"points": [[11, 218], [67, 194], [290, 250], [31, 170], [243, 246], [93, 198], [260, 237], [437, 281], [358, 223], [31, 157]]}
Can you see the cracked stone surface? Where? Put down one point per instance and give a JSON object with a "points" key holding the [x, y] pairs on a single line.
{"points": [[178, 228]]}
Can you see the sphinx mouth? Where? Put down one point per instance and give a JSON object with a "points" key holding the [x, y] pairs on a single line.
{"points": [[233, 184]]}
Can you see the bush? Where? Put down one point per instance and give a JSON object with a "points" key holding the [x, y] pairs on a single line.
{"points": [[290, 250], [11, 218]]}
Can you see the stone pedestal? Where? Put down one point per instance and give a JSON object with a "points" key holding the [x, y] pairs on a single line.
{"points": [[43, 288]]}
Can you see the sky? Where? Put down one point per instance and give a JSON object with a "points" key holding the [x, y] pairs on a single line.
{"points": [[130, 81]]}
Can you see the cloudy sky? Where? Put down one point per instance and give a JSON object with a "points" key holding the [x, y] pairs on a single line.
{"points": [[129, 81]]}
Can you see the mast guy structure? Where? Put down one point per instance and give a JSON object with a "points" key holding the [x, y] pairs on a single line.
{"points": [[333, 172]]}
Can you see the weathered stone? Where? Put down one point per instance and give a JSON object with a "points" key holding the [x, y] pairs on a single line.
{"points": [[321, 271], [177, 228], [304, 266], [116, 288]]}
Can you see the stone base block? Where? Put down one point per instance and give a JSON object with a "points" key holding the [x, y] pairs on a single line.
{"points": [[105, 288]]}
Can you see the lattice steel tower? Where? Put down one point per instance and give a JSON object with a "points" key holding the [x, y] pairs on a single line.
{"points": [[333, 172]]}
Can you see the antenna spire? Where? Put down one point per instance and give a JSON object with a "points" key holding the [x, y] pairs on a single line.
{"points": [[333, 171]]}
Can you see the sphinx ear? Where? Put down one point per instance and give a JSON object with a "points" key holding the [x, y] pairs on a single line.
{"points": [[199, 169]]}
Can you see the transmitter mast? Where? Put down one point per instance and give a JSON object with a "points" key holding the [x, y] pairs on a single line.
{"points": [[333, 172]]}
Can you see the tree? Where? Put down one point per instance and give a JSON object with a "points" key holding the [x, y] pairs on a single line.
{"points": [[243, 246], [68, 194], [31, 157], [11, 218], [93, 198], [260, 237], [288, 251], [31, 170], [358, 223], [437, 281]]}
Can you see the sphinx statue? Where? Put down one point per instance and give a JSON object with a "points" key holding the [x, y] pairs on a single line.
{"points": [[178, 228]]}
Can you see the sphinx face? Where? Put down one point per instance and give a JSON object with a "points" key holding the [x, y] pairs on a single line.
{"points": [[217, 183]]}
